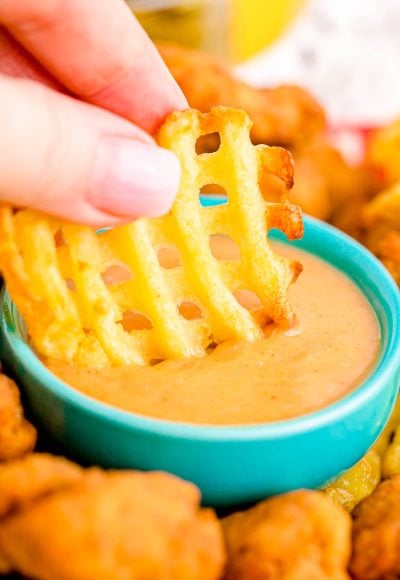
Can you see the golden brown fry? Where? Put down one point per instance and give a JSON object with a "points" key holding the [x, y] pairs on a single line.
{"points": [[114, 525], [356, 483], [391, 459], [17, 435], [282, 116], [384, 242], [57, 272], [297, 536], [327, 187], [376, 534]]}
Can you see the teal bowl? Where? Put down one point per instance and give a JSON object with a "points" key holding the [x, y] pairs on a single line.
{"points": [[231, 465]]}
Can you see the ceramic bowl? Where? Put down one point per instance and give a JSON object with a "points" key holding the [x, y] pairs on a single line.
{"points": [[233, 464]]}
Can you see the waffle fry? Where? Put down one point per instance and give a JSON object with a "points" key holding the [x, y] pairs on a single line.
{"points": [[356, 483], [58, 274], [385, 207]]}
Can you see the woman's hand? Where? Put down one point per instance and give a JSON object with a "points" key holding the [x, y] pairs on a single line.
{"points": [[81, 86]]}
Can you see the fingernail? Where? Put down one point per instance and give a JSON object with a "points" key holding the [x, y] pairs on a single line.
{"points": [[131, 178]]}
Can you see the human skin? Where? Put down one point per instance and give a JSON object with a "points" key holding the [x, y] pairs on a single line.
{"points": [[82, 89]]}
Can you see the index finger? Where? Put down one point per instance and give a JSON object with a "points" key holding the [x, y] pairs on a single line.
{"points": [[99, 52]]}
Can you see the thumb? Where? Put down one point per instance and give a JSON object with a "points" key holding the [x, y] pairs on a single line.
{"points": [[78, 162]]}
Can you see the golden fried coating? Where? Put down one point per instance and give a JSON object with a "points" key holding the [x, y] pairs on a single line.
{"points": [[381, 221], [296, 536], [326, 186], [29, 478], [63, 291], [383, 156], [356, 483], [388, 445], [61, 522], [376, 534], [385, 244], [391, 459], [17, 435], [385, 438], [284, 115]]}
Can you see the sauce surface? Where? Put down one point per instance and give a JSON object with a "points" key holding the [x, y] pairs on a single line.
{"points": [[283, 375]]}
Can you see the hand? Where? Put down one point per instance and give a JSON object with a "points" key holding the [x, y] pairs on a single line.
{"points": [[74, 77]]}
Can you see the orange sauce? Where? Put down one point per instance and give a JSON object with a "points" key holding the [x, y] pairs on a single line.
{"points": [[284, 375]]}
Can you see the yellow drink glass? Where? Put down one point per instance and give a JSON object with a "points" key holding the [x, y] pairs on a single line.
{"points": [[232, 29]]}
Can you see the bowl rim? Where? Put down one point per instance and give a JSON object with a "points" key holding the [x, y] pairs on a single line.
{"points": [[387, 366]]}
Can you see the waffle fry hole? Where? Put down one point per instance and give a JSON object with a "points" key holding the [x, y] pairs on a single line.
{"points": [[194, 316]]}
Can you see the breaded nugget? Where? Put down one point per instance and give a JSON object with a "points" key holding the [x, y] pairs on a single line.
{"points": [[385, 438], [297, 536], [282, 116], [342, 188], [326, 186], [17, 435], [376, 534], [27, 479], [357, 482], [381, 223], [113, 525], [346, 182], [384, 208], [383, 155], [310, 191]]}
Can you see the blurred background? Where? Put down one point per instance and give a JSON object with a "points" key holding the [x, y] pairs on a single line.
{"points": [[345, 52]]}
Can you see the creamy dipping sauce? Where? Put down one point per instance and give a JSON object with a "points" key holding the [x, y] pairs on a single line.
{"points": [[284, 375]]}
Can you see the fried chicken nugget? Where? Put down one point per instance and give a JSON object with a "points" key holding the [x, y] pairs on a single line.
{"points": [[296, 536], [17, 435], [346, 187], [61, 522], [325, 185], [376, 534], [383, 155], [281, 116]]}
